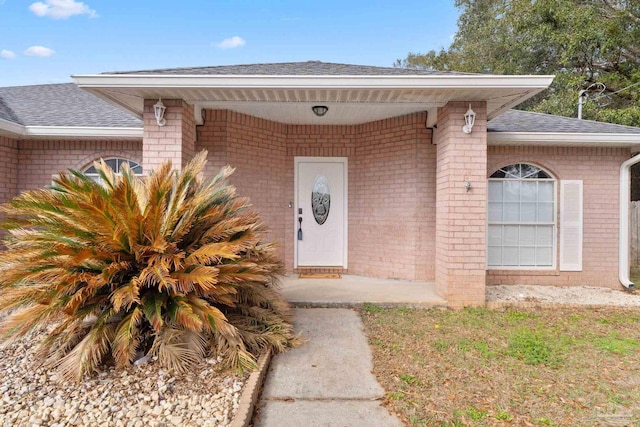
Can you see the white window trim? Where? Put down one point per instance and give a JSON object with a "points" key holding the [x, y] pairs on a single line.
{"points": [[554, 251]]}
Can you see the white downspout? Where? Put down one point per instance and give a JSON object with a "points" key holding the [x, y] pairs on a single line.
{"points": [[623, 262]]}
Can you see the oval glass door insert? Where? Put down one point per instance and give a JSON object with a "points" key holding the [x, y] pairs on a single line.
{"points": [[320, 199]]}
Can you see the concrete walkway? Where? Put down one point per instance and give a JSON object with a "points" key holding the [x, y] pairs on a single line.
{"points": [[328, 380], [350, 291]]}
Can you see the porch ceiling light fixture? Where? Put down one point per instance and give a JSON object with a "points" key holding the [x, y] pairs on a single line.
{"points": [[320, 110], [469, 120], [159, 109]]}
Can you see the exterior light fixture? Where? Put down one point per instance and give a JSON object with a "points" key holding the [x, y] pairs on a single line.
{"points": [[320, 110], [467, 186], [469, 120], [159, 109]]}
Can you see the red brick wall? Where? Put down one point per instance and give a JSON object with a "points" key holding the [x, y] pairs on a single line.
{"points": [[391, 219], [460, 214], [9, 171], [174, 141], [599, 169], [256, 148], [385, 192], [40, 159]]}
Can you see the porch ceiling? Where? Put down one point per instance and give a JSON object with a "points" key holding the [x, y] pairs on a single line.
{"points": [[288, 99]]}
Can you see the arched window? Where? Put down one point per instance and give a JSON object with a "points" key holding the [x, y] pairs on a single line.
{"points": [[114, 163], [521, 218]]}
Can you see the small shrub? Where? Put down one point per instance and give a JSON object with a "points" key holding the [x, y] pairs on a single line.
{"points": [[409, 379], [533, 348], [173, 265], [371, 308], [475, 413], [614, 344]]}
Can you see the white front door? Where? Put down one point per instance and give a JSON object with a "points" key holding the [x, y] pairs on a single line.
{"points": [[321, 211]]}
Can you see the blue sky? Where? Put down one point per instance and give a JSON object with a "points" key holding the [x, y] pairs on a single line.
{"points": [[48, 40]]}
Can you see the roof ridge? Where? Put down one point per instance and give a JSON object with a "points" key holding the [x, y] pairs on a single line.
{"points": [[38, 85]]}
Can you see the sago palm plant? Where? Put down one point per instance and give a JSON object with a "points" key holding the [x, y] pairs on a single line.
{"points": [[173, 266]]}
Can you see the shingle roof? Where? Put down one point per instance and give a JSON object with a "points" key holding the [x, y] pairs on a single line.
{"points": [[526, 121], [309, 68], [60, 105]]}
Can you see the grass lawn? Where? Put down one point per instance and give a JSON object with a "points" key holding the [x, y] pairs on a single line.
{"points": [[516, 367]]}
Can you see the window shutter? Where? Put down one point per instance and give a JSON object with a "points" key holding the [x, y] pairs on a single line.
{"points": [[571, 225]]}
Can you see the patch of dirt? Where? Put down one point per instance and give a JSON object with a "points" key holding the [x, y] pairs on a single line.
{"points": [[580, 295]]}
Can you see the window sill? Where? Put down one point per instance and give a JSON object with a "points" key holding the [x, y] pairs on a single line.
{"points": [[522, 272]]}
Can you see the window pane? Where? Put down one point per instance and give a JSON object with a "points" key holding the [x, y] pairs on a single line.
{"points": [[527, 235], [90, 169], [528, 256], [544, 235], [511, 191], [544, 257], [545, 212], [512, 171], [510, 235], [137, 169], [511, 212], [494, 235], [494, 256], [510, 256], [545, 191], [112, 163], [528, 191], [528, 212], [529, 171], [495, 191], [495, 212]]}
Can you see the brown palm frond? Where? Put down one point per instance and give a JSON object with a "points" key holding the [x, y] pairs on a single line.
{"points": [[179, 349], [175, 262]]}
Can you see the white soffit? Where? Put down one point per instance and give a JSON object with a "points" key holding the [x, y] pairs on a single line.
{"points": [[287, 99]]}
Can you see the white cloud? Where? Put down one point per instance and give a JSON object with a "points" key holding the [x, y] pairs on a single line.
{"points": [[61, 9], [231, 43], [39, 51], [7, 54]]}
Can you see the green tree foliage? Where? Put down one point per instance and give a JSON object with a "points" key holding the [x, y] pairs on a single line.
{"points": [[581, 41], [172, 266]]}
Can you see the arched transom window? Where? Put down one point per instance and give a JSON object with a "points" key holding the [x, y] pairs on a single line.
{"points": [[115, 163], [521, 218]]}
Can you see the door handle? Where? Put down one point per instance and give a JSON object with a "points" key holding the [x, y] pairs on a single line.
{"points": [[300, 227]]}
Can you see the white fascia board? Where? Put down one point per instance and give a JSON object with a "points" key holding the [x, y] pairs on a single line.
{"points": [[562, 138], [11, 128], [311, 82], [83, 132]]}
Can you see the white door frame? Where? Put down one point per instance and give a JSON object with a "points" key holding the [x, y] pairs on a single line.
{"points": [[345, 238]]}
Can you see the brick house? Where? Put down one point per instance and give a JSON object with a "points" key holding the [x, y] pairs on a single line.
{"points": [[386, 183]]}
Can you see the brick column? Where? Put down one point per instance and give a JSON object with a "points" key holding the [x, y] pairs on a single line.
{"points": [[461, 214], [174, 141]]}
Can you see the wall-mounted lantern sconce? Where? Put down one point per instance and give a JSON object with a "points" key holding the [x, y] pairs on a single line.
{"points": [[469, 120], [319, 110], [467, 186], [159, 110]]}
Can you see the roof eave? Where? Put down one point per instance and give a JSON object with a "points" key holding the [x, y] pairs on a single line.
{"points": [[311, 82], [563, 139], [18, 131]]}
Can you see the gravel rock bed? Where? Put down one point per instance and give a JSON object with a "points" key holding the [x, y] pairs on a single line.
{"points": [[144, 395], [579, 295]]}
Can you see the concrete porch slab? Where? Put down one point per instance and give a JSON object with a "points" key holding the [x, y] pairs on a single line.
{"points": [[353, 291]]}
